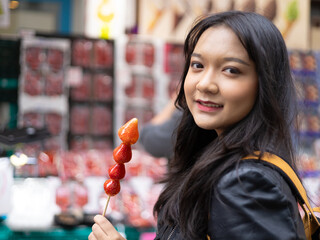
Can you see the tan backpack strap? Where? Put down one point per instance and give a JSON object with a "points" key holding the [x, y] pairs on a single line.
{"points": [[287, 169]]}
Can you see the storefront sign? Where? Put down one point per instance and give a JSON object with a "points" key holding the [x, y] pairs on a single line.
{"points": [[105, 18], [172, 19]]}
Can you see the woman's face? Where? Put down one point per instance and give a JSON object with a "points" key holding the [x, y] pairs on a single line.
{"points": [[221, 84]]}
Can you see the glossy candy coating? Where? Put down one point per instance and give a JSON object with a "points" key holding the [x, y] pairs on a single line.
{"points": [[129, 133], [117, 171], [122, 153], [111, 187]]}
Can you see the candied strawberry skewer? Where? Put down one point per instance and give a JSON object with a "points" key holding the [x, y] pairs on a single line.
{"points": [[129, 135], [123, 153]]}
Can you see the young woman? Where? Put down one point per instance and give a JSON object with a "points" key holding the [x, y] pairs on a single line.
{"points": [[237, 97]]}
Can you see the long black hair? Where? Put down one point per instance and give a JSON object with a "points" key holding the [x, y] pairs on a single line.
{"points": [[200, 156]]}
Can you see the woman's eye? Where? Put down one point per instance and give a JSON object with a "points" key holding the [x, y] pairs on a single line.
{"points": [[196, 65], [232, 70]]}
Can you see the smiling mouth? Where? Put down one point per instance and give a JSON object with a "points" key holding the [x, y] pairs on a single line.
{"points": [[209, 104]]}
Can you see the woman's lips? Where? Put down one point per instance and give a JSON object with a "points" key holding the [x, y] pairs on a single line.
{"points": [[208, 106]]}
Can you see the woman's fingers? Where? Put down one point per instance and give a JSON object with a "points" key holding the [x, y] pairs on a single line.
{"points": [[105, 225], [91, 236], [104, 230], [98, 233]]}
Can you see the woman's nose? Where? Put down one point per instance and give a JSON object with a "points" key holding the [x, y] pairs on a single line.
{"points": [[207, 83]]}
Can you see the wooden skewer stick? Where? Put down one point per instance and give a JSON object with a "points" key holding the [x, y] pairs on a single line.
{"points": [[105, 208]]}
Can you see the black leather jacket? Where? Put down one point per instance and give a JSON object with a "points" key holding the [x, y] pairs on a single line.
{"points": [[253, 202]]}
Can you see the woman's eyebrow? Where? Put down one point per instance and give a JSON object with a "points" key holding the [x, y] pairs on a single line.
{"points": [[196, 55], [227, 59], [233, 59]]}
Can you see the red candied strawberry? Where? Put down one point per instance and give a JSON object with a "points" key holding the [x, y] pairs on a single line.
{"points": [[129, 133], [117, 171], [123, 153], [111, 187]]}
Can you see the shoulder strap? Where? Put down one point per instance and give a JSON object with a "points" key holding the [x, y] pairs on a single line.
{"points": [[286, 168]]}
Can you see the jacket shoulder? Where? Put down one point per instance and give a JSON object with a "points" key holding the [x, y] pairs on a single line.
{"points": [[253, 171], [253, 201]]}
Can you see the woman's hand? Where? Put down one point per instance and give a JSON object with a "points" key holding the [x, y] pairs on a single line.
{"points": [[104, 230]]}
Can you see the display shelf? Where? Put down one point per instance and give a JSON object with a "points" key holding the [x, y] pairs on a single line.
{"points": [[9, 57], [78, 233], [91, 96], [135, 233], [5, 233], [8, 83]]}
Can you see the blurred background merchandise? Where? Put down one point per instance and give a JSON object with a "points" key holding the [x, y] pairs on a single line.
{"points": [[73, 71]]}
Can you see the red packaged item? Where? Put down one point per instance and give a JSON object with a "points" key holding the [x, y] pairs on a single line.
{"points": [[93, 163], [138, 213], [81, 52], [80, 120], [55, 59], [309, 62], [54, 84], [72, 165], [102, 87], [33, 119], [53, 144], [151, 200], [63, 197], [148, 54], [46, 164], [311, 90], [82, 92], [130, 113], [155, 168], [313, 121], [131, 203], [71, 195], [33, 84], [80, 195], [53, 122], [96, 161], [34, 57], [174, 58], [173, 85], [79, 143], [148, 88], [136, 168], [101, 120], [143, 113], [307, 162], [131, 89], [296, 63], [131, 53], [101, 144], [103, 54]]}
